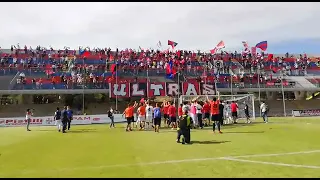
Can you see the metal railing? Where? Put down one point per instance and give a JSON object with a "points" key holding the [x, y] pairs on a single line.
{"points": [[13, 81]]}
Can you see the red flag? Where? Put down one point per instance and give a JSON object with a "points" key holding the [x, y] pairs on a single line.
{"points": [[213, 51], [245, 44], [113, 68], [270, 57], [174, 71], [172, 44], [253, 51], [220, 45], [142, 100], [86, 54], [274, 69], [168, 70], [178, 53]]}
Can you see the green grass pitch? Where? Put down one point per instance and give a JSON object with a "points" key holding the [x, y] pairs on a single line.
{"points": [[285, 147]]}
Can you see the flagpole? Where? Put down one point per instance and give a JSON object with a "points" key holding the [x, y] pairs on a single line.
{"points": [[84, 82], [283, 98], [259, 88], [215, 86], [148, 82], [178, 82], [205, 75], [117, 85], [231, 85]]}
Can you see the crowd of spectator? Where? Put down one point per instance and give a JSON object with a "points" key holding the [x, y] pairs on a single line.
{"points": [[71, 69]]}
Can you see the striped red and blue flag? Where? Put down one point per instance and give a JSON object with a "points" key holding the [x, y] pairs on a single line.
{"points": [[172, 44], [263, 45], [84, 52], [170, 70]]}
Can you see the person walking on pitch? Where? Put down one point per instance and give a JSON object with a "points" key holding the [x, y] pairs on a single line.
{"points": [[65, 119], [111, 116], [57, 119], [70, 116], [185, 126]]}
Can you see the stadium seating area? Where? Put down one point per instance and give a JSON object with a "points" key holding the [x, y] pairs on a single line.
{"points": [[49, 69], [315, 81]]}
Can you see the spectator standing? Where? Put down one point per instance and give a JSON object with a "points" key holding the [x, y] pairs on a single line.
{"points": [[111, 116], [70, 116], [29, 115], [264, 111]]}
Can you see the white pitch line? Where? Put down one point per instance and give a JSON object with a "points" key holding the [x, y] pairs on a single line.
{"points": [[272, 163], [169, 162], [277, 154]]}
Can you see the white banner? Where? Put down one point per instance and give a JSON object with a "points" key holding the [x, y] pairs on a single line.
{"points": [[49, 120], [306, 113]]}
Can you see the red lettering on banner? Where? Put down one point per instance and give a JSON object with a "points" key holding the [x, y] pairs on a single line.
{"points": [[172, 89], [85, 118], [22, 121], [157, 89], [141, 88], [96, 119], [270, 83], [191, 88], [277, 83], [136, 90], [121, 89], [208, 89]]}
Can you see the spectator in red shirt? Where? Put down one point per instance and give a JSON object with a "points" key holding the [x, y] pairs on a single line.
{"points": [[172, 113], [215, 113], [206, 112], [234, 111], [165, 112]]}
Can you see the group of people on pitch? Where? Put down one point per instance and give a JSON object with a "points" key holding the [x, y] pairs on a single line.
{"points": [[202, 114], [63, 118]]}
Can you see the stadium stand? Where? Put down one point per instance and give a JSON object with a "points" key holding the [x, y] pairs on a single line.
{"points": [[40, 68]]}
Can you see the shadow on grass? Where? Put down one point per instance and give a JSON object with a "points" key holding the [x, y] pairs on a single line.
{"points": [[81, 131], [246, 132], [238, 125], [71, 131], [209, 142]]}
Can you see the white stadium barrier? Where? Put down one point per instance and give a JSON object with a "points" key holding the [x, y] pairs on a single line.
{"points": [[49, 121]]}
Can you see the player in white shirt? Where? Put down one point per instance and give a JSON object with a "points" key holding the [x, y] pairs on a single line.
{"points": [[186, 107], [140, 119], [227, 113], [199, 114], [57, 118], [149, 115]]}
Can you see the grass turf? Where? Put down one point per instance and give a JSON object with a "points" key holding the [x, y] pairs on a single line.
{"points": [[97, 151]]}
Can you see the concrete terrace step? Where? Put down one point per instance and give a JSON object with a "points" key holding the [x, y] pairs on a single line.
{"points": [[301, 80]]}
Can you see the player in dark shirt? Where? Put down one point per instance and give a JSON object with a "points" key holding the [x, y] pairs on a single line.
{"points": [[246, 112], [221, 108], [184, 128], [70, 116], [65, 119]]}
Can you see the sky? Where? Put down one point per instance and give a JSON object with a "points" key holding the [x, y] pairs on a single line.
{"points": [[288, 27]]}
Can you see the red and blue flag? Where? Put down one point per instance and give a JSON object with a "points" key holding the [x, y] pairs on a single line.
{"points": [[263, 45], [170, 70], [84, 52], [172, 44]]}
